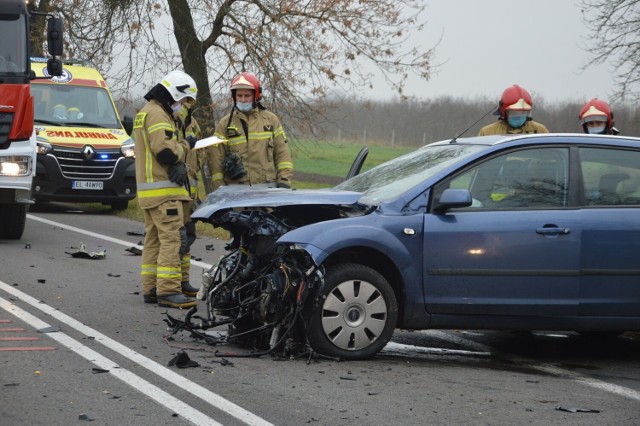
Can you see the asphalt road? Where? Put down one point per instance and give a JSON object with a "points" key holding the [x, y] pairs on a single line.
{"points": [[77, 344]]}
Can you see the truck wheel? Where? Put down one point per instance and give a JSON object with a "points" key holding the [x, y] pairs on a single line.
{"points": [[120, 205], [12, 220], [354, 314]]}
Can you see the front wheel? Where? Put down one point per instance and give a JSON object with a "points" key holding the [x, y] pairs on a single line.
{"points": [[13, 218], [355, 313]]}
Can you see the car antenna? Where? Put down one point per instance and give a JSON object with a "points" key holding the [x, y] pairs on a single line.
{"points": [[476, 122]]}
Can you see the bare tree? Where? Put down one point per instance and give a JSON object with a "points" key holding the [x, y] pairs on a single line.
{"points": [[300, 49], [615, 39]]}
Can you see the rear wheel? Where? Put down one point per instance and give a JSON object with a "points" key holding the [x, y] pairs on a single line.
{"points": [[355, 313], [13, 218], [120, 205]]}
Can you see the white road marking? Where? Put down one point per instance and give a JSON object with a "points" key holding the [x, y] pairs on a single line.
{"points": [[543, 367], [136, 382], [479, 347]]}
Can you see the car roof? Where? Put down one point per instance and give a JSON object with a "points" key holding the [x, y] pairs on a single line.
{"points": [[582, 138]]}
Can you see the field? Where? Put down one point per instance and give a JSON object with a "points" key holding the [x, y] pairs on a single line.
{"points": [[321, 164]]}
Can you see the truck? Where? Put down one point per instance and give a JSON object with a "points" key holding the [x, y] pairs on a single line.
{"points": [[85, 153], [17, 132]]}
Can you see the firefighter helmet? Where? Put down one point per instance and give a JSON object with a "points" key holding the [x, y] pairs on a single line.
{"points": [[180, 85], [246, 80], [514, 98], [596, 110]]}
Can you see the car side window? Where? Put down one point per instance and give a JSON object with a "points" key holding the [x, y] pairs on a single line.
{"points": [[529, 178], [610, 176]]}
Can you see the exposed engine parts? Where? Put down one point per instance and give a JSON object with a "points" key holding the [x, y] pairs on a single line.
{"points": [[258, 289]]}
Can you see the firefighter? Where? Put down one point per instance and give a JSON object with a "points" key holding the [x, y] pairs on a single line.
{"points": [[162, 184], [596, 117], [514, 111], [256, 149], [74, 113], [190, 131]]}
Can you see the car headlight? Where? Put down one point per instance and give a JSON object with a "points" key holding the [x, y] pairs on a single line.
{"points": [[127, 149], [15, 165], [43, 147]]}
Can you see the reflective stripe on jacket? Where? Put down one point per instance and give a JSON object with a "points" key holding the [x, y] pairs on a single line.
{"points": [[501, 127], [264, 152]]}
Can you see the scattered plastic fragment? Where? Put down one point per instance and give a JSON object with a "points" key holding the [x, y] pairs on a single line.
{"points": [[85, 416], [27, 246], [96, 370], [134, 250], [82, 253], [182, 360], [41, 280], [209, 247], [113, 275], [577, 410], [138, 233]]}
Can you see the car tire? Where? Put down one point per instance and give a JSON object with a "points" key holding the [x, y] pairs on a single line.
{"points": [[120, 205], [13, 218], [354, 314]]}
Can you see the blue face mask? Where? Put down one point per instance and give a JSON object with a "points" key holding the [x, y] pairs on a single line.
{"points": [[596, 130], [244, 106], [517, 122]]}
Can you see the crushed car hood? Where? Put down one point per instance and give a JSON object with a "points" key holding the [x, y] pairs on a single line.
{"points": [[242, 196]]}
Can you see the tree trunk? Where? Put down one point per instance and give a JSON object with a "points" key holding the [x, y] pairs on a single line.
{"points": [[193, 60]]}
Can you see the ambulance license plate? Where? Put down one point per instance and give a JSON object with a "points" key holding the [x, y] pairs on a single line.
{"points": [[87, 184]]}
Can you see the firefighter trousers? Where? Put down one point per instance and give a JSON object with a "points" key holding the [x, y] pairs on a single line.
{"points": [[161, 262], [190, 230]]}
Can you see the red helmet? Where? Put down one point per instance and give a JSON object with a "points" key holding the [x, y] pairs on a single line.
{"points": [[515, 98], [246, 80], [596, 110]]}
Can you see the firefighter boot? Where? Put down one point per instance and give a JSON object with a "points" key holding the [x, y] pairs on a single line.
{"points": [[151, 297], [177, 300], [188, 290]]}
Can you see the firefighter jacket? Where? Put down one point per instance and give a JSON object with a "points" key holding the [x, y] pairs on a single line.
{"points": [[260, 144], [501, 127], [154, 131], [194, 156]]}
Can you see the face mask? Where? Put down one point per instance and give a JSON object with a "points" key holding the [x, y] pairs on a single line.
{"points": [[176, 106], [596, 130], [244, 106], [516, 122], [181, 113]]}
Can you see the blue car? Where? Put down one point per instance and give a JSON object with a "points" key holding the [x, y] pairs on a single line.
{"points": [[519, 232]]}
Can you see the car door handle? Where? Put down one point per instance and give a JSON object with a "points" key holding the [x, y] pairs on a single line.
{"points": [[553, 231]]}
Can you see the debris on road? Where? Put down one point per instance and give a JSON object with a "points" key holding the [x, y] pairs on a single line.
{"points": [[134, 250], [82, 253], [182, 360], [138, 233], [577, 410]]}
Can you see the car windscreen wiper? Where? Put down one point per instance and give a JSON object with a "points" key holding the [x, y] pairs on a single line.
{"points": [[52, 123], [83, 124]]}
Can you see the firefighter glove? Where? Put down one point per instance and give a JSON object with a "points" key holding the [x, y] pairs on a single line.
{"points": [[191, 140], [178, 174]]}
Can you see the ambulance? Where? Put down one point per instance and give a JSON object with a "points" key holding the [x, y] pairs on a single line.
{"points": [[84, 153]]}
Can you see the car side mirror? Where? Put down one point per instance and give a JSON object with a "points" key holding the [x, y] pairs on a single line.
{"points": [[54, 36], [127, 123], [453, 198]]}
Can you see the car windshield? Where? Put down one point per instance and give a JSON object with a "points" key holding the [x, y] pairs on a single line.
{"points": [[389, 180], [67, 105], [13, 49]]}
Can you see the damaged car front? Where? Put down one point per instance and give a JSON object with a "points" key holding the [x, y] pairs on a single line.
{"points": [[322, 270]]}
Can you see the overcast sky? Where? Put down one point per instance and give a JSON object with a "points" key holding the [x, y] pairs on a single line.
{"points": [[488, 45]]}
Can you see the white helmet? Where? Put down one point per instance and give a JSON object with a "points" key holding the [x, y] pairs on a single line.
{"points": [[180, 85]]}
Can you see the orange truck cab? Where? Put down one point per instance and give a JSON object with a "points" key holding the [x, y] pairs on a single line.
{"points": [[85, 155]]}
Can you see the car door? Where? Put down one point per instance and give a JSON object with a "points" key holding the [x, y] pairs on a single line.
{"points": [[610, 264], [515, 251]]}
